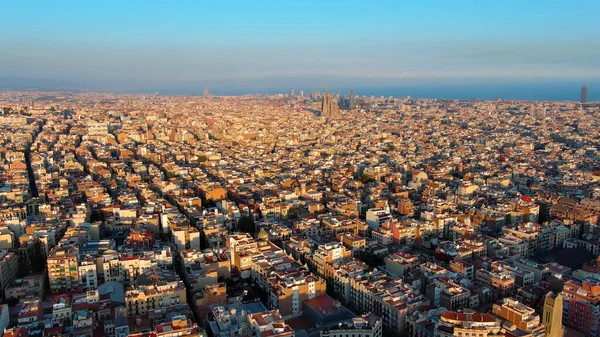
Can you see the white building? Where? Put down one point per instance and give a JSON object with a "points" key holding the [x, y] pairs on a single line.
{"points": [[365, 326], [377, 216]]}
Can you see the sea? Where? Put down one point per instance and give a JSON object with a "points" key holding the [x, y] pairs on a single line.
{"points": [[542, 91]]}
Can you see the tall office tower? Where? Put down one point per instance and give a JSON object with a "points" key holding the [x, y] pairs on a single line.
{"points": [[301, 93], [206, 91], [584, 94], [351, 104], [292, 94], [329, 107]]}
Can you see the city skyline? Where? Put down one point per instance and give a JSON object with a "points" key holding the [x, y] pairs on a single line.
{"points": [[298, 44], [300, 168]]}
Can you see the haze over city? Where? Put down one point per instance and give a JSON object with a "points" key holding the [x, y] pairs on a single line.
{"points": [[242, 47]]}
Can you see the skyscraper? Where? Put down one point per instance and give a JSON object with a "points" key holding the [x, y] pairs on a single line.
{"points": [[351, 103], [584, 94], [206, 91]]}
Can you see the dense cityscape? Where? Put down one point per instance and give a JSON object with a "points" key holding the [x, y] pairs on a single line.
{"points": [[301, 214]]}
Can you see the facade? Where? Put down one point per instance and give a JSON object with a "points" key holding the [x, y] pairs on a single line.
{"points": [[177, 326], [552, 316], [289, 289], [498, 279], [229, 320], [400, 263], [328, 257], [364, 326], [30, 286], [388, 298], [155, 289], [63, 270], [97, 129], [377, 216], [356, 244], [457, 324], [581, 302], [520, 315], [8, 269], [88, 275], [269, 323]]}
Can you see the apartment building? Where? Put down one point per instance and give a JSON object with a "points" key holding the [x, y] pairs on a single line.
{"points": [[229, 320], [327, 256], [581, 303], [356, 244], [88, 276], [455, 324], [124, 267], [179, 325], [400, 263], [365, 326], [388, 298], [63, 270], [269, 323], [289, 289], [203, 268], [9, 265], [156, 288], [498, 279], [30, 286], [520, 315], [377, 216], [446, 293]]}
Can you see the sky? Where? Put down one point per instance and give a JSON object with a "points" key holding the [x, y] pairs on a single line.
{"points": [[173, 45]]}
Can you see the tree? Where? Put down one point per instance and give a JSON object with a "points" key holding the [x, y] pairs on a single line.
{"points": [[371, 259], [246, 224], [202, 159], [365, 179]]}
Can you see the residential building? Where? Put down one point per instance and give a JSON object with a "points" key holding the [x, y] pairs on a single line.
{"points": [[63, 270]]}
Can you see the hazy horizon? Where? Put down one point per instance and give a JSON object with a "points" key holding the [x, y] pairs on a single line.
{"points": [[243, 46], [463, 90]]}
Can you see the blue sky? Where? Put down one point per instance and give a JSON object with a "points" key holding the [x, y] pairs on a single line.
{"points": [[148, 44]]}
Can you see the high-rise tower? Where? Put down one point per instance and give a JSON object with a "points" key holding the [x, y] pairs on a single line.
{"points": [[351, 103], [584, 94]]}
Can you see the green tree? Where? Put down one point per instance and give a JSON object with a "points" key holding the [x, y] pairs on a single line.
{"points": [[246, 224], [365, 179]]}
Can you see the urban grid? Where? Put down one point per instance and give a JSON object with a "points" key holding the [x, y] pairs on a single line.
{"points": [[312, 213]]}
